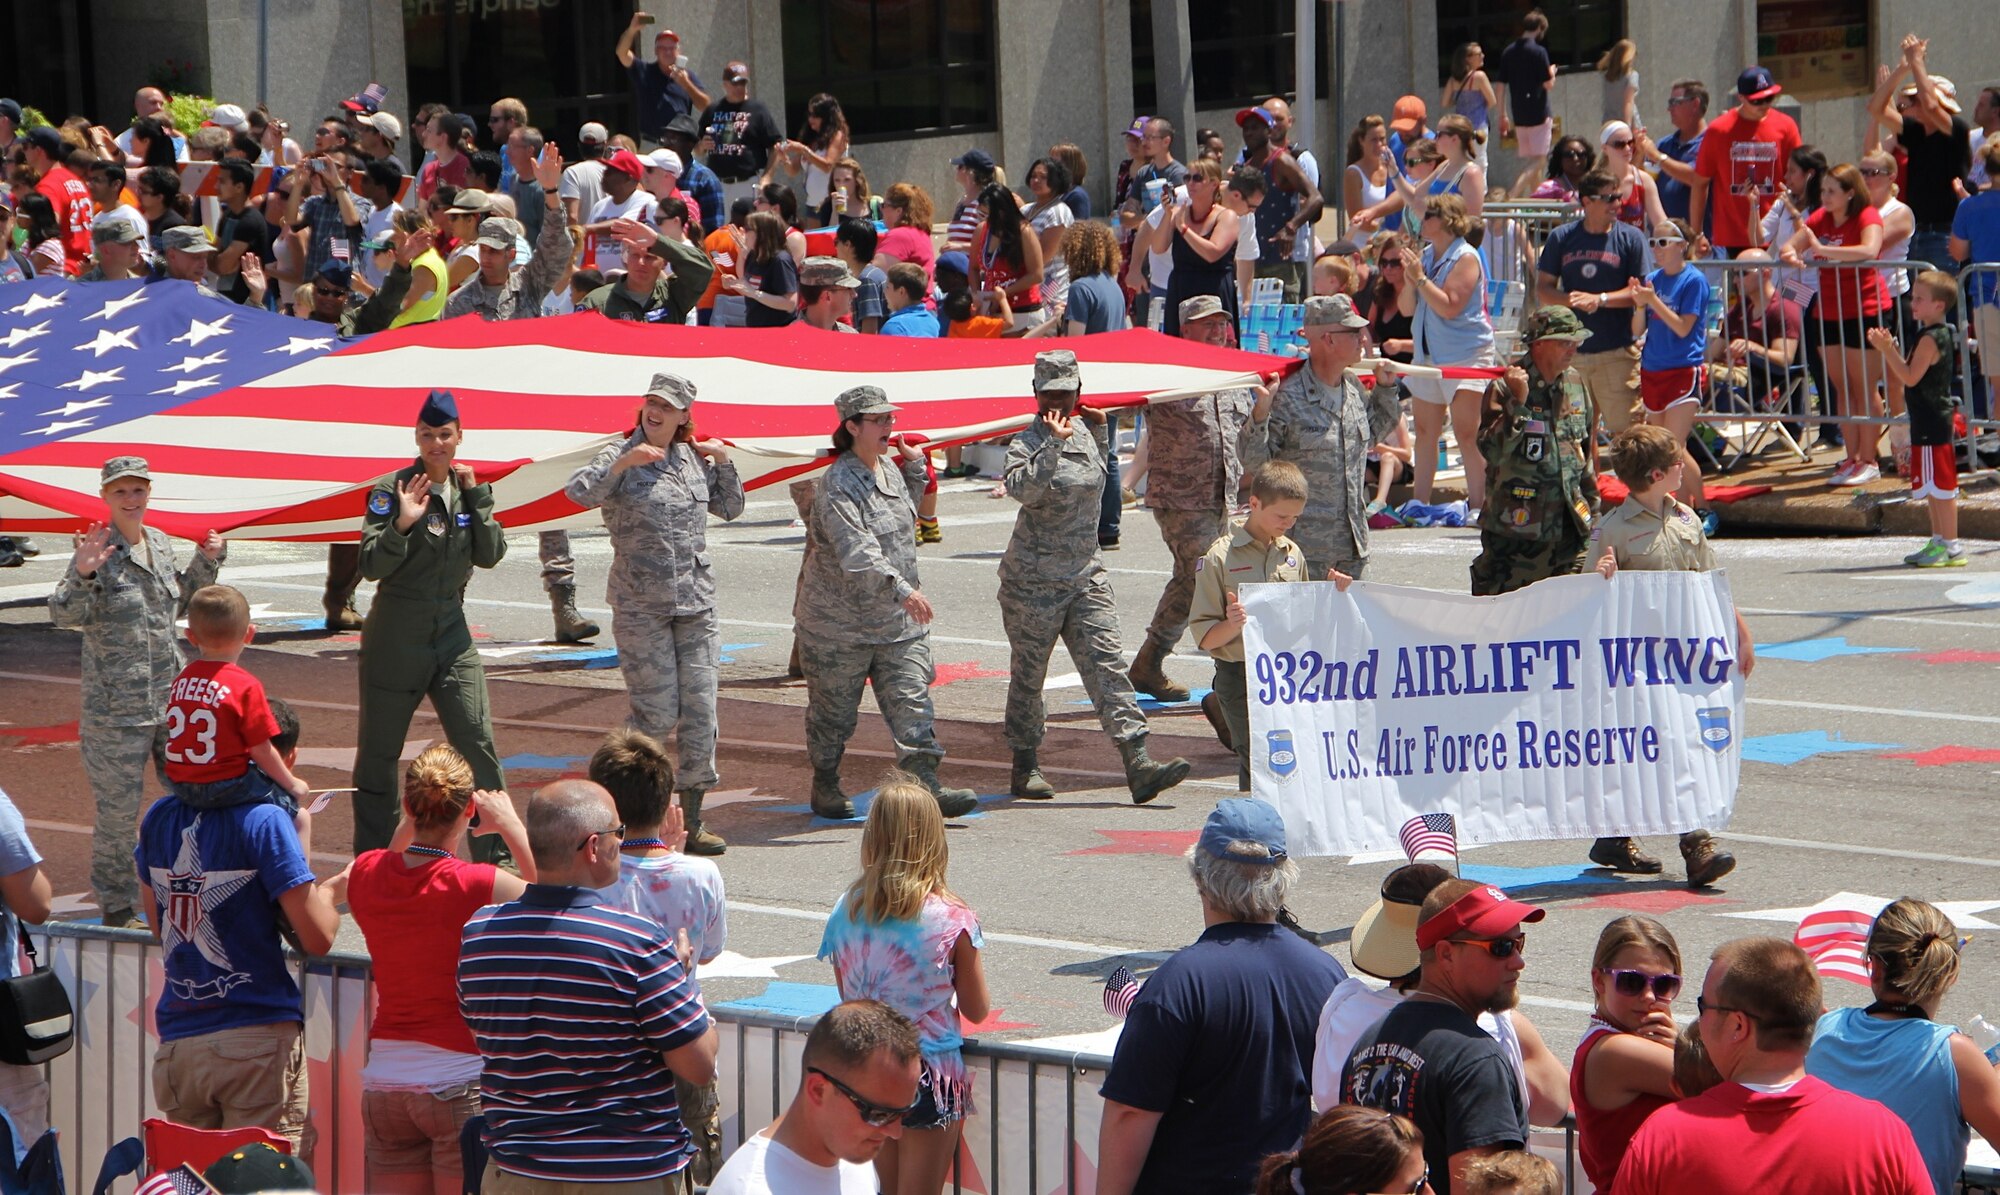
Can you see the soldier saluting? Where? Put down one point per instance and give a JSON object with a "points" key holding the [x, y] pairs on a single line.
{"points": [[427, 526]]}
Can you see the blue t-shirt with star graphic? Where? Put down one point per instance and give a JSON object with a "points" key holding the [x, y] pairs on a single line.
{"points": [[217, 875]]}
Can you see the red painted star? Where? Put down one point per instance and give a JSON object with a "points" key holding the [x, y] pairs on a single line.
{"points": [[1658, 903], [1961, 655], [1142, 842], [1938, 757], [951, 674], [39, 736], [992, 1024]]}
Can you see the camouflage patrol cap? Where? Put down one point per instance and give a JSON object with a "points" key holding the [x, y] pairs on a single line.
{"points": [[498, 232], [1056, 370], [1199, 307], [1331, 311], [188, 238], [1554, 322], [826, 271], [672, 389], [862, 400], [124, 466]]}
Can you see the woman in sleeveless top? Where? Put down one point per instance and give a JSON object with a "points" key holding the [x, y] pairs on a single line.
{"points": [[1894, 1051], [1445, 292], [1624, 1066], [428, 286], [821, 145], [1366, 181], [1638, 195], [1458, 174], [1470, 94], [1202, 238], [1878, 173]]}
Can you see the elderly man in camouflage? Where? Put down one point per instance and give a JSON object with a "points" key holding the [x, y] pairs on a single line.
{"points": [[1053, 584], [124, 589], [1541, 476], [501, 292], [860, 616], [1323, 421], [657, 487], [1192, 443]]}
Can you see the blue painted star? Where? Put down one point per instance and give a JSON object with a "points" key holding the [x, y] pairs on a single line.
{"points": [[727, 648], [863, 800], [1788, 749], [789, 1000], [1812, 651], [589, 657], [1152, 703], [543, 763], [1511, 879]]}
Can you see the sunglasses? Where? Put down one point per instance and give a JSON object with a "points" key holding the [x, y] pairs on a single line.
{"points": [[1635, 983], [1625, 144], [618, 830], [1876, 172], [873, 1115], [1500, 948], [1574, 153], [1703, 1007], [1663, 242], [1598, 198]]}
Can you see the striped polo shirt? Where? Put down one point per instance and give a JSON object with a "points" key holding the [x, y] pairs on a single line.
{"points": [[573, 1003]]}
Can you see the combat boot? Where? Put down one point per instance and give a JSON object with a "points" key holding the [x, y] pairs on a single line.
{"points": [[794, 669], [1146, 776], [1706, 863], [827, 799], [952, 802], [1026, 780], [1623, 854], [571, 627], [700, 841], [1150, 678], [342, 616]]}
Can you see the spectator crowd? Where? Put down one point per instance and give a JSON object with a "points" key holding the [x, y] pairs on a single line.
{"points": [[537, 961]]}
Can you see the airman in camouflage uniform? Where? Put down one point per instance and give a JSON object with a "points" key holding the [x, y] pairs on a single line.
{"points": [[124, 597], [1053, 583], [1324, 421], [1190, 487], [657, 491], [860, 615], [421, 538], [1535, 431]]}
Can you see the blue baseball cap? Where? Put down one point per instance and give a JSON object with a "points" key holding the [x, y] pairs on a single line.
{"points": [[440, 408], [337, 273], [1756, 85], [974, 159], [956, 262], [1243, 819]]}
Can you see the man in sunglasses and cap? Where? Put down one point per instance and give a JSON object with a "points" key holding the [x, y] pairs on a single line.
{"points": [[1210, 1073], [1429, 1060], [1742, 159]]}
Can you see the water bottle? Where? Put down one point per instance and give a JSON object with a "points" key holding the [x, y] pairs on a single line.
{"points": [[1986, 1035]]}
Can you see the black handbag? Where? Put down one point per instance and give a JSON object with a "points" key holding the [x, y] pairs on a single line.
{"points": [[36, 1020]]}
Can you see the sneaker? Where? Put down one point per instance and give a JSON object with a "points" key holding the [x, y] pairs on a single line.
{"points": [[26, 546], [1935, 555], [1710, 523], [1841, 472], [1865, 474], [928, 532], [1915, 557]]}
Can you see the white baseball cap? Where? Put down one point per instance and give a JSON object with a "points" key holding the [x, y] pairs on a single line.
{"points": [[665, 159], [228, 116], [593, 133]]}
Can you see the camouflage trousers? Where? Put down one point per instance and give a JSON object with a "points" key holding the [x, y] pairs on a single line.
{"points": [[558, 566], [1189, 535], [671, 665], [701, 1113], [114, 760], [1087, 622], [1506, 563], [836, 673]]}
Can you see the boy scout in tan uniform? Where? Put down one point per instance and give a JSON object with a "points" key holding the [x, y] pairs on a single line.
{"points": [[1651, 531]]}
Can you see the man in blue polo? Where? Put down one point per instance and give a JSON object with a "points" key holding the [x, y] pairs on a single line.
{"points": [[1212, 1070], [584, 1015]]}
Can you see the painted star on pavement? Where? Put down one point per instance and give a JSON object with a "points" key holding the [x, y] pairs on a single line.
{"points": [[1984, 591], [27, 358], [186, 384], [1142, 842], [951, 674], [200, 330], [1658, 903], [1812, 651], [790, 999], [107, 340], [37, 303], [1788, 749], [995, 1022], [731, 965], [341, 759], [1560, 875], [74, 902], [1961, 655], [301, 344], [72, 408], [1938, 757], [532, 762], [60, 426], [22, 335], [118, 305], [93, 378], [39, 736], [737, 796], [190, 364], [1963, 913]]}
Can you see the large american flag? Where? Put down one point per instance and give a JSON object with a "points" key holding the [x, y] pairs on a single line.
{"points": [[270, 427]]}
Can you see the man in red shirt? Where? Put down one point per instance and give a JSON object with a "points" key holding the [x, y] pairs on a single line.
{"points": [[1769, 1126], [1742, 157], [66, 192]]}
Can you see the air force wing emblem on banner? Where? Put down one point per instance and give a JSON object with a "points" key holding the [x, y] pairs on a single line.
{"points": [[1284, 760], [1714, 723]]}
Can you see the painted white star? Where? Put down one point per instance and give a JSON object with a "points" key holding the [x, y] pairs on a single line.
{"points": [[60, 426], [74, 902], [117, 305], [93, 378], [73, 407], [1963, 913], [731, 965], [21, 335], [188, 893], [190, 364], [185, 385], [737, 796], [108, 340], [200, 330], [301, 344], [341, 759], [27, 358], [37, 303]]}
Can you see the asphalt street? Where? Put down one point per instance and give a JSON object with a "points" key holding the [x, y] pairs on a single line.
{"points": [[1871, 747]]}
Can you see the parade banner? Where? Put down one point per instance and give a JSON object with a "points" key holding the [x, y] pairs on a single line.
{"points": [[1575, 708]]}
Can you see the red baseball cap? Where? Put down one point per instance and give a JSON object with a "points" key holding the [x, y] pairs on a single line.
{"points": [[626, 162], [1485, 911]]}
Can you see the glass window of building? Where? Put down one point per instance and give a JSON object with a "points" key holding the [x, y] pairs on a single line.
{"points": [[898, 68]]}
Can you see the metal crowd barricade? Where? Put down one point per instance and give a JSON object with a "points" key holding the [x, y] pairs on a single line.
{"points": [[1979, 363], [1515, 231]]}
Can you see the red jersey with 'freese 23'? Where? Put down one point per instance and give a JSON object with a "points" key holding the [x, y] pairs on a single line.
{"points": [[215, 714], [74, 212]]}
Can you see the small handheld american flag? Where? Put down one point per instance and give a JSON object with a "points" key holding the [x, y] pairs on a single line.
{"points": [[181, 1180], [1119, 991], [1435, 834], [1837, 939]]}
